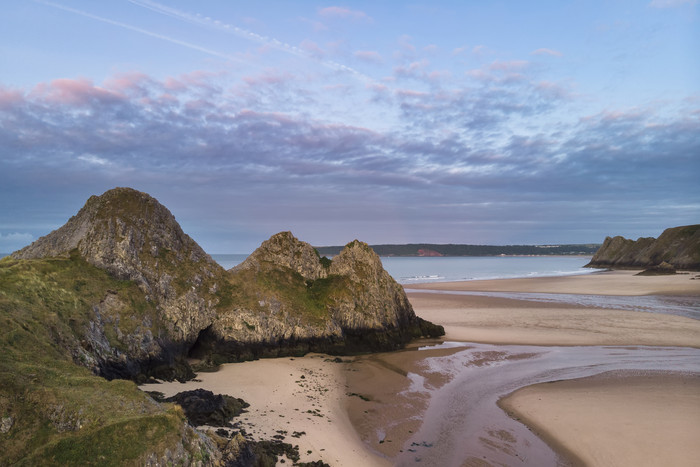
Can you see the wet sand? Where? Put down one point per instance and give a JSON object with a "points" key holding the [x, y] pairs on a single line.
{"points": [[438, 406], [504, 321], [496, 320], [444, 410]]}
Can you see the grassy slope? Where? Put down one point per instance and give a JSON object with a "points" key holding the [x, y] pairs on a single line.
{"points": [[302, 298], [60, 412]]}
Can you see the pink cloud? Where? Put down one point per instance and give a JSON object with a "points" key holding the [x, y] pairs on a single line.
{"points": [[9, 97], [312, 48], [172, 84], [270, 77], [342, 12], [134, 83], [405, 43], [73, 92], [368, 56], [553, 90]]}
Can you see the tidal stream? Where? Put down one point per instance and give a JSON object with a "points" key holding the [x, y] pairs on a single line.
{"points": [[461, 423], [463, 420]]}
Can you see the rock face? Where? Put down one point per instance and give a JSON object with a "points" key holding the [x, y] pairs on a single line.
{"points": [[679, 247], [288, 300], [283, 299], [133, 237]]}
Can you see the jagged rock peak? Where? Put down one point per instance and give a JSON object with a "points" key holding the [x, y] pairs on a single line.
{"points": [[284, 249], [125, 206], [355, 255], [132, 236]]}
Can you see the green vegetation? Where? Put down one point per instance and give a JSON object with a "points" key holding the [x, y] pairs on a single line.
{"points": [[59, 413], [302, 298], [424, 249]]}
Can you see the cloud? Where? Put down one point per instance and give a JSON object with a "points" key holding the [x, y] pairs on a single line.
{"points": [[368, 56], [344, 13], [543, 51], [243, 154]]}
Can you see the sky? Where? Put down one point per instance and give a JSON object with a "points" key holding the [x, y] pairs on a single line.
{"points": [[479, 122]]}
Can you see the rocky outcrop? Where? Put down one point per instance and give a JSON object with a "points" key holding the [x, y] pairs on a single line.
{"points": [[122, 291], [283, 250], [203, 407], [133, 237], [283, 299], [288, 300], [679, 247]]}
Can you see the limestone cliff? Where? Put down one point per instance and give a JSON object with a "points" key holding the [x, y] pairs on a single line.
{"points": [[283, 299], [288, 300], [677, 246], [133, 237]]}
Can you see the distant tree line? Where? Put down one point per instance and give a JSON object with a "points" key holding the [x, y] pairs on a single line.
{"points": [[431, 249]]}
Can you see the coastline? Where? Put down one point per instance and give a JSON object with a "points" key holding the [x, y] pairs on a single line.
{"points": [[391, 408], [609, 400], [615, 282]]}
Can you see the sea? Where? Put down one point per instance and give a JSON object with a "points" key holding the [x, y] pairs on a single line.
{"points": [[413, 270]]}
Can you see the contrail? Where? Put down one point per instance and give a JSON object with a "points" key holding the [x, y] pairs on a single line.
{"points": [[249, 35], [142, 31]]}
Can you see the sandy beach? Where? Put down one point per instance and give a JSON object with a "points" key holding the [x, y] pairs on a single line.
{"points": [[618, 418], [603, 283], [301, 399], [440, 405], [622, 419]]}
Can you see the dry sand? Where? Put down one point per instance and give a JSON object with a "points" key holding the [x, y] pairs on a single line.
{"points": [[494, 320], [604, 283], [616, 419], [290, 395]]}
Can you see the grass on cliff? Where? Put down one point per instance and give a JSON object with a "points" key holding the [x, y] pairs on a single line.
{"points": [[308, 300], [59, 413]]}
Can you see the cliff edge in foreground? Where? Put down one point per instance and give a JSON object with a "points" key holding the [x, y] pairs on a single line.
{"points": [[678, 246]]}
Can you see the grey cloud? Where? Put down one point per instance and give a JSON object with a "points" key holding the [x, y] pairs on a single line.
{"points": [[453, 158]]}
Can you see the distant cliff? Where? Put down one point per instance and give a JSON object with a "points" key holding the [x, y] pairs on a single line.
{"points": [[677, 246], [434, 249]]}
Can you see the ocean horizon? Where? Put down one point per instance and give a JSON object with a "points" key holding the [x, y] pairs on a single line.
{"points": [[413, 270]]}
